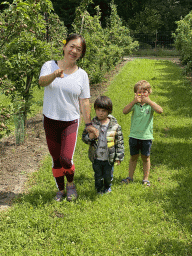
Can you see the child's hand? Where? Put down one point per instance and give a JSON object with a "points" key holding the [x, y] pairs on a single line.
{"points": [[137, 97], [93, 130], [117, 162], [92, 136], [145, 99]]}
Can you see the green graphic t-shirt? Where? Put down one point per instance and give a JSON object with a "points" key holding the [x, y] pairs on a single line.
{"points": [[142, 122]]}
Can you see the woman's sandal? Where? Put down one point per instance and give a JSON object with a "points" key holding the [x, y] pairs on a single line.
{"points": [[127, 180], [146, 182]]}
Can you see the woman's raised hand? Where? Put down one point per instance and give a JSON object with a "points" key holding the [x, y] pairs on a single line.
{"points": [[59, 73]]}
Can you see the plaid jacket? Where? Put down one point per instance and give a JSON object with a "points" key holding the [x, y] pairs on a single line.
{"points": [[115, 143]]}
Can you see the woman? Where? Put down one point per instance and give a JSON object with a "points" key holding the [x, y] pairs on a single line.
{"points": [[66, 85]]}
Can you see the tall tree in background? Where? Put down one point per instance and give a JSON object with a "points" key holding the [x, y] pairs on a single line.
{"points": [[24, 48], [65, 9], [183, 40], [170, 11], [105, 46], [138, 14], [132, 12]]}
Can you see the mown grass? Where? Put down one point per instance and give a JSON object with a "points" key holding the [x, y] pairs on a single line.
{"points": [[133, 219]]}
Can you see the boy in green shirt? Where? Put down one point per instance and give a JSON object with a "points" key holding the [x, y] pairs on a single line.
{"points": [[141, 134]]}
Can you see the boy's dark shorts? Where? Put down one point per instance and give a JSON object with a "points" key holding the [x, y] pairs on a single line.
{"points": [[137, 145]]}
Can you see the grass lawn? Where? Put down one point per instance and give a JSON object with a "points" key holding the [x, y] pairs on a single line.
{"points": [[133, 219]]}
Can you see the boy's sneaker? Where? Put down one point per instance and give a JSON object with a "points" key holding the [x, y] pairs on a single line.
{"points": [[127, 180], [108, 190], [146, 182], [59, 196], [71, 192]]}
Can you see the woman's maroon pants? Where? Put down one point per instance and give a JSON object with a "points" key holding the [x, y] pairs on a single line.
{"points": [[61, 139]]}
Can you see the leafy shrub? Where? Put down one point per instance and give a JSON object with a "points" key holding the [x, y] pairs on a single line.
{"points": [[144, 46], [105, 46], [183, 40], [119, 35], [24, 49]]}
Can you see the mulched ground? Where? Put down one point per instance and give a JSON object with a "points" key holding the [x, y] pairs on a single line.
{"points": [[17, 162]]}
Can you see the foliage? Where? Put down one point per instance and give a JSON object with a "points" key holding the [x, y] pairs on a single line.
{"points": [[144, 16], [170, 11], [183, 40], [133, 219], [146, 21], [105, 46], [118, 33], [138, 15], [65, 9], [95, 59], [24, 48]]}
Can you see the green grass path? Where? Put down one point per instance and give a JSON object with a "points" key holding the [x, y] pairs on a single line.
{"points": [[133, 219]]}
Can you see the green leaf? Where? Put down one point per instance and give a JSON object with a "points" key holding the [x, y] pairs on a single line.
{"points": [[6, 3]]}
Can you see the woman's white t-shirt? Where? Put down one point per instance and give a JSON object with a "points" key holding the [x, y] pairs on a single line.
{"points": [[61, 97]]}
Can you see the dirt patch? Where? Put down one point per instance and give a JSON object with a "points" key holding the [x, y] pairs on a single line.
{"points": [[17, 162]]}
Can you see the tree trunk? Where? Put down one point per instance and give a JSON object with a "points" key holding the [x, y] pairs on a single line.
{"points": [[27, 96], [21, 117]]}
